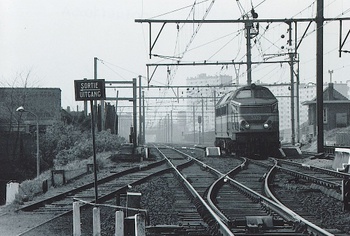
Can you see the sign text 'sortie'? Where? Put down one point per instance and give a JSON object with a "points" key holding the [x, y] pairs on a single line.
{"points": [[89, 90]]}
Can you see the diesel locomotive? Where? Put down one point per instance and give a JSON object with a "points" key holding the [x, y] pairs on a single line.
{"points": [[247, 123]]}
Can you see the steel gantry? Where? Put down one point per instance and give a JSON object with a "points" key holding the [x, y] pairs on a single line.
{"points": [[319, 20]]}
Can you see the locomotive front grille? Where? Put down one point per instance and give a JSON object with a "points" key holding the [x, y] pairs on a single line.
{"points": [[257, 137], [255, 109]]}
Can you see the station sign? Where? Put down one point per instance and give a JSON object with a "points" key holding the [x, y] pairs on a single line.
{"points": [[86, 90]]}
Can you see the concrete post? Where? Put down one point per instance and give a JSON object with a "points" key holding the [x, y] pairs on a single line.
{"points": [[119, 223], [76, 219], [96, 222], [12, 189]]}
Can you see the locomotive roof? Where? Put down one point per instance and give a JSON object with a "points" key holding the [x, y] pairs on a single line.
{"points": [[247, 92]]}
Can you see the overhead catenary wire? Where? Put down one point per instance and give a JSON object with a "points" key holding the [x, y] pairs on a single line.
{"points": [[179, 9], [110, 64], [273, 44], [308, 34], [261, 3], [171, 72], [195, 32]]}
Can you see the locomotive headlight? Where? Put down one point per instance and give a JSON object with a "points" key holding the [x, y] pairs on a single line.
{"points": [[244, 125], [267, 124]]}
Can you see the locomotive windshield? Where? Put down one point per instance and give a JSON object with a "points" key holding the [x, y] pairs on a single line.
{"points": [[244, 94], [257, 92], [263, 93]]}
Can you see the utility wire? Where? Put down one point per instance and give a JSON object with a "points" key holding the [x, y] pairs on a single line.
{"points": [[179, 9], [111, 64], [199, 25]]}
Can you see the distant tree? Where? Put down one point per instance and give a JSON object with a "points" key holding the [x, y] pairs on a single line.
{"points": [[17, 152], [10, 101]]}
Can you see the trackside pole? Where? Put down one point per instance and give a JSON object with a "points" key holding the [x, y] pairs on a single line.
{"points": [[96, 222], [94, 148], [90, 90], [119, 223], [76, 219]]}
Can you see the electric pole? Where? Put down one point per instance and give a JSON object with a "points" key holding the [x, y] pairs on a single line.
{"points": [[292, 109], [319, 75], [248, 27]]}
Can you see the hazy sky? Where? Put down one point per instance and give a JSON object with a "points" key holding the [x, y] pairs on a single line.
{"points": [[56, 41]]}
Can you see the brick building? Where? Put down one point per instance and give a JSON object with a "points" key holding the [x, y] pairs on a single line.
{"points": [[43, 102], [336, 111], [15, 146]]}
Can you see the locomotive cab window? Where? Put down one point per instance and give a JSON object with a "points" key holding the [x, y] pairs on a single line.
{"points": [[256, 93], [244, 94], [263, 93]]}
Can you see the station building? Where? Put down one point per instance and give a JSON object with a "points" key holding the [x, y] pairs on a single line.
{"points": [[336, 111], [302, 94]]}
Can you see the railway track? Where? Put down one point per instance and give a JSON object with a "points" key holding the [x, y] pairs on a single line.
{"points": [[243, 211], [223, 196], [247, 211], [328, 179], [312, 192], [60, 205], [107, 188]]}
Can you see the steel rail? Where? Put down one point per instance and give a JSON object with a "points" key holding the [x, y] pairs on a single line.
{"points": [[312, 228], [37, 204], [213, 186], [223, 228], [308, 177], [317, 169], [274, 205], [313, 179], [121, 189]]}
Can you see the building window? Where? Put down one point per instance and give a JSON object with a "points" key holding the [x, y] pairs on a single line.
{"points": [[325, 115]]}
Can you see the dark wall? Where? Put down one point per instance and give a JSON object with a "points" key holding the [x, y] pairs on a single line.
{"points": [[17, 151], [17, 158], [332, 110]]}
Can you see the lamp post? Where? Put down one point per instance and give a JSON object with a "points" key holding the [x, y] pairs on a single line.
{"points": [[21, 109]]}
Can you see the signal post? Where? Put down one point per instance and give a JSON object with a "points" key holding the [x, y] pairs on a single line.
{"points": [[91, 90]]}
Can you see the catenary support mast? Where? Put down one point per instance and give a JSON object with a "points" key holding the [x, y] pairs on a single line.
{"points": [[319, 75]]}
